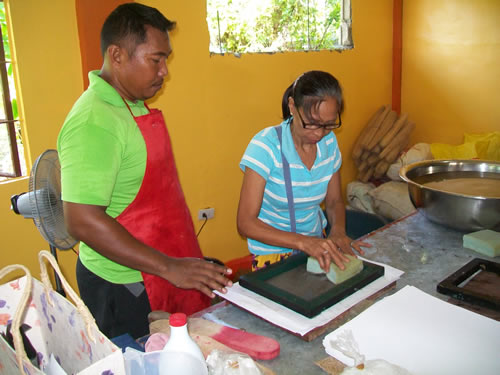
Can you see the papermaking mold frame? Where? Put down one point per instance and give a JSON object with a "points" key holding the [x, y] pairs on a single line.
{"points": [[315, 292]]}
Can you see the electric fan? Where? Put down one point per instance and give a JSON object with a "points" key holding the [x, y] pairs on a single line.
{"points": [[43, 204]]}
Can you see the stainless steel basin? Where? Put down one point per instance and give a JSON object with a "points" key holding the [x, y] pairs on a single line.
{"points": [[458, 211]]}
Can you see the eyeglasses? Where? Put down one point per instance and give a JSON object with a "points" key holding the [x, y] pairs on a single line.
{"points": [[312, 126]]}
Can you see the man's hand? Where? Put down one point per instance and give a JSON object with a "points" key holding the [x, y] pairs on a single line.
{"points": [[105, 235], [194, 273]]}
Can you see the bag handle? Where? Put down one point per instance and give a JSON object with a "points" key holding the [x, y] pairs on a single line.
{"points": [[18, 315], [80, 305]]}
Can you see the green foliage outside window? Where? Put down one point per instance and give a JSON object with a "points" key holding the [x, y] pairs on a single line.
{"points": [[12, 162], [242, 26], [6, 46]]}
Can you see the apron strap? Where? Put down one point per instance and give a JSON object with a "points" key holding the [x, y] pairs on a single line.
{"points": [[145, 105], [288, 187], [288, 182]]}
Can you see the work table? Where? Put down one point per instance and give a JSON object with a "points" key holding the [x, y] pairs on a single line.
{"points": [[426, 252]]}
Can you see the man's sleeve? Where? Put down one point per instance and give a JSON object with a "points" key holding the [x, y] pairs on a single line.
{"points": [[90, 159]]}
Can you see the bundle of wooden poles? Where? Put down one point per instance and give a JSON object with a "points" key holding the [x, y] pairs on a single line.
{"points": [[382, 140]]}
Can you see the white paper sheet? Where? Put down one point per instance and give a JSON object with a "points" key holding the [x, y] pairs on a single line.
{"points": [[294, 322], [425, 335]]}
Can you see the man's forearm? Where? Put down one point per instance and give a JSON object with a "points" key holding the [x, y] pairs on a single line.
{"points": [[92, 225]]}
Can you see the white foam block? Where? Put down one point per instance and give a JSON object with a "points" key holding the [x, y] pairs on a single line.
{"points": [[336, 275], [486, 242]]}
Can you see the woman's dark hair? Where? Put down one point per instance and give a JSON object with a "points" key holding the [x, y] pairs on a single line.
{"points": [[309, 90], [130, 19]]}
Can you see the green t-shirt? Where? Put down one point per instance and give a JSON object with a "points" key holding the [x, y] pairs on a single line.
{"points": [[103, 160]]}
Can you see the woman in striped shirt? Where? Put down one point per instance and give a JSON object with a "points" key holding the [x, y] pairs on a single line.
{"points": [[292, 168]]}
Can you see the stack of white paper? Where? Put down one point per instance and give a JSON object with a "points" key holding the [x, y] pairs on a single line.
{"points": [[425, 335]]}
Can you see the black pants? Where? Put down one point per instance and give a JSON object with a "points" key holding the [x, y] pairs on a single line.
{"points": [[117, 308]]}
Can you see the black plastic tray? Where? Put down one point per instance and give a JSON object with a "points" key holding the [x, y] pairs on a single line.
{"points": [[289, 284]]}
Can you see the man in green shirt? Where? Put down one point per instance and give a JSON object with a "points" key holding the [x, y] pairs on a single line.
{"points": [[122, 198]]}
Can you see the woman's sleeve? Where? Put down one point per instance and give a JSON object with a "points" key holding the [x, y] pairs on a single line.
{"points": [[334, 151], [260, 154]]}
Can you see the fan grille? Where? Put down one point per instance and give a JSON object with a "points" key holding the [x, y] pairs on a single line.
{"points": [[45, 200]]}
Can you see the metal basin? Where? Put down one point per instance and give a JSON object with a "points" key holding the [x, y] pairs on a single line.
{"points": [[458, 211]]}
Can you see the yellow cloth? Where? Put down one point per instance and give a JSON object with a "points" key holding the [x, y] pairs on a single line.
{"points": [[261, 261], [485, 146]]}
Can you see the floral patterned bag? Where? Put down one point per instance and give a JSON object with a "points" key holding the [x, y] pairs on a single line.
{"points": [[56, 328]]}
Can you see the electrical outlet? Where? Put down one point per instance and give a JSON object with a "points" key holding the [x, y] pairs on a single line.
{"points": [[208, 212]]}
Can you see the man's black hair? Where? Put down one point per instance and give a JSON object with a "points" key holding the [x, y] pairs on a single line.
{"points": [[130, 20]]}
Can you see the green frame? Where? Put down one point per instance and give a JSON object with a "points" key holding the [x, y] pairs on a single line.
{"points": [[258, 282]]}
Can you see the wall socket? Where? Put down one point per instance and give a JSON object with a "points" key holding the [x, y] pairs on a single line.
{"points": [[208, 212]]}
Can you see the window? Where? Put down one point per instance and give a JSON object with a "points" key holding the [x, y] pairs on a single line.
{"points": [[12, 162], [243, 26]]}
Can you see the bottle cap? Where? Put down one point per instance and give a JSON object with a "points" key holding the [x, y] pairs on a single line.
{"points": [[178, 320]]}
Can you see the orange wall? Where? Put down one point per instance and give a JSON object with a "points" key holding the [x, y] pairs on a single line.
{"points": [[451, 68], [213, 105], [90, 15]]}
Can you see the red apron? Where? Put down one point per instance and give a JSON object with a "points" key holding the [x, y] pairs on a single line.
{"points": [[159, 217]]}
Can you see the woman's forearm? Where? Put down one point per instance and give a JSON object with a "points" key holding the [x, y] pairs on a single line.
{"points": [[256, 229]]}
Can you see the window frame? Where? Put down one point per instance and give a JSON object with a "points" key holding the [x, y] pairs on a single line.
{"points": [[9, 121], [345, 41], [346, 25]]}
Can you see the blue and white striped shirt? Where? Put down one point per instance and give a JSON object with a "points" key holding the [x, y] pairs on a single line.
{"points": [[263, 155]]}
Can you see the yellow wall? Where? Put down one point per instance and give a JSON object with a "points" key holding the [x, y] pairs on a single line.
{"points": [[48, 62], [213, 105], [451, 68]]}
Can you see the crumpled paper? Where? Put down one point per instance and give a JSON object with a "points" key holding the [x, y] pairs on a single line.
{"points": [[225, 363]]}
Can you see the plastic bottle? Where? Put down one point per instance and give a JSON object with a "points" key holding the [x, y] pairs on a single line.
{"points": [[181, 355]]}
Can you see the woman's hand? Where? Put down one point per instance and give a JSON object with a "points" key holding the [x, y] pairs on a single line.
{"points": [[324, 250], [345, 243]]}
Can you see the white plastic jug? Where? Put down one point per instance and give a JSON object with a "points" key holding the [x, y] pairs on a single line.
{"points": [[181, 355]]}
